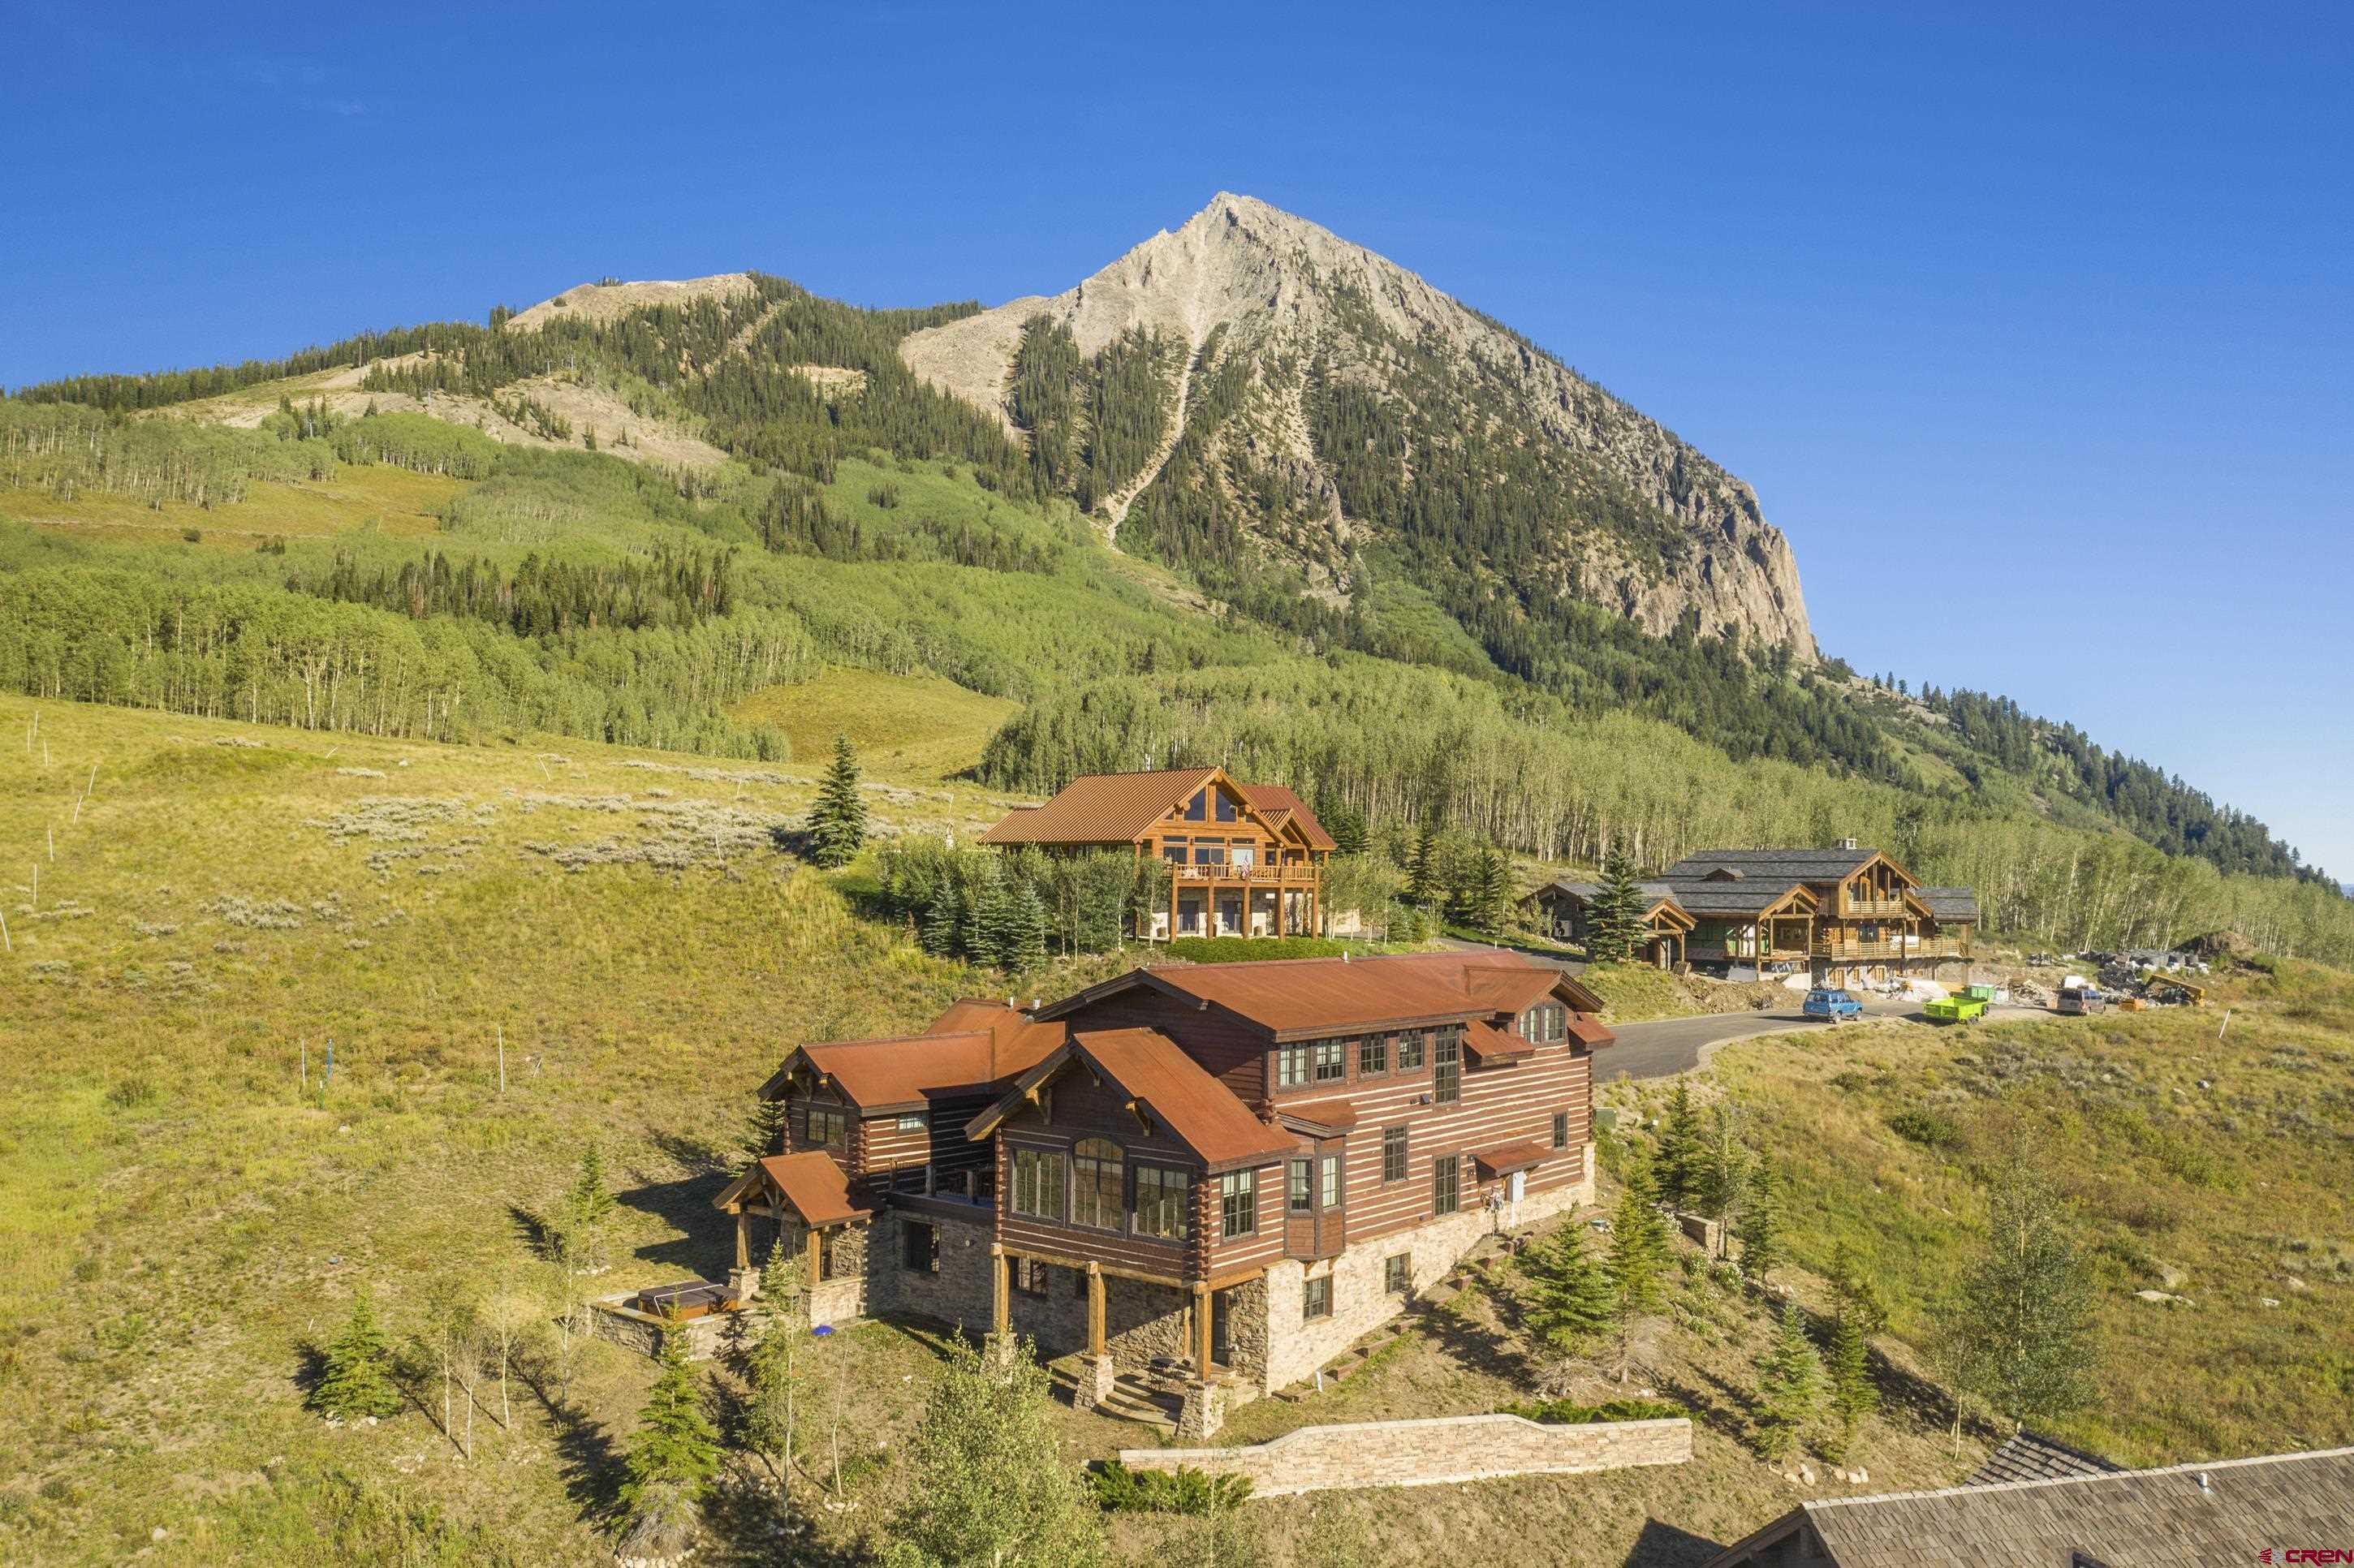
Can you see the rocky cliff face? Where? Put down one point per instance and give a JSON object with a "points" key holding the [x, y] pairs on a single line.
{"points": [[1344, 412]]}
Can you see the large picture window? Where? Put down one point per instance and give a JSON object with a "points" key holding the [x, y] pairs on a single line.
{"points": [[1099, 1185], [1446, 1067], [1163, 1196], [1038, 1183], [1239, 1203]]}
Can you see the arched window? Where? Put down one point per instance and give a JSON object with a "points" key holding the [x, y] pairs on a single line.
{"points": [[1099, 1185]]}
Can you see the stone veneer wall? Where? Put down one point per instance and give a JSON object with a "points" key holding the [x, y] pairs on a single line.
{"points": [[1428, 1452], [1294, 1346], [1141, 1321], [612, 1319], [956, 1293]]}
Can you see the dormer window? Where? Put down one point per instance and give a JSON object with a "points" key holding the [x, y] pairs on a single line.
{"points": [[1545, 1024]]}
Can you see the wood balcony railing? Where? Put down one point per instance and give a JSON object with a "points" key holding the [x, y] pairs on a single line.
{"points": [[1748, 952], [1891, 948], [1867, 907], [1298, 875]]}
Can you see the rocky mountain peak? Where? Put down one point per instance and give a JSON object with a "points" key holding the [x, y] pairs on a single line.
{"points": [[1637, 519]]}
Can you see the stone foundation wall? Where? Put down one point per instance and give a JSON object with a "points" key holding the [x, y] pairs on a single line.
{"points": [[1428, 1453], [1297, 1346], [956, 1293], [1141, 1321]]}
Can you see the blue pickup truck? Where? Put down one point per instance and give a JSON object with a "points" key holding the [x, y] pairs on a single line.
{"points": [[1832, 1006]]}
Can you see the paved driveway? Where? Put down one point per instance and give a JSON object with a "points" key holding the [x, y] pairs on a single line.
{"points": [[1667, 1047]]}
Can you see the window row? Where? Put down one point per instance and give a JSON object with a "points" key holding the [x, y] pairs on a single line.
{"points": [[1327, 1061], [1096, 1187]]}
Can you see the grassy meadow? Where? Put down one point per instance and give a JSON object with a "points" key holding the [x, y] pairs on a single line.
{"points": [[2209, 1161]]}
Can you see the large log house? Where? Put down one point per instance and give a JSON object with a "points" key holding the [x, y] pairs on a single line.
{"points": [[1245, 860], [1843, 915], [1205, 1182]]}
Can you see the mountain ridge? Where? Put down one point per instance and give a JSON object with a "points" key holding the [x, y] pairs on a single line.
{"points": [[1279, 290]]}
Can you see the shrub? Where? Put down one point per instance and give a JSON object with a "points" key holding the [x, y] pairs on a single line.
{"points": [[1929, 1128], [1182, 1490], [1247, 950]]}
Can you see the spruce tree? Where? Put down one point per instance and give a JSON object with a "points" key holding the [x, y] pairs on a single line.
{"points": [[358, 1380], [1760, 1228], [1423, 872], [1638, 1255], [1789, 1385], [1491, 889], [1678, 1163], [588, 1208], [943, 923], [1568, 1301], [1615, 919], [675, 1447], [2027, 1306], [1853, 1394], [764, 1132], [837, 822], [1347, 826]]}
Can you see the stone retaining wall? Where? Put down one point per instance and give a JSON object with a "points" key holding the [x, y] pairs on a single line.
{"points": [[1428, 1452]]}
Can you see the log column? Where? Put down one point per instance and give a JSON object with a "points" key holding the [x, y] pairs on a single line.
{"points": [[1098, 1378], [1001, 1302]]}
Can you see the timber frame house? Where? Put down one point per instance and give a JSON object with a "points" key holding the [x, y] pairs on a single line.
{"points": [[1187, 1184], [1843, 915], [1245, 860]]}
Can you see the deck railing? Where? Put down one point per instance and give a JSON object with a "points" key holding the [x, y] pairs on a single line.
{"points": [[1891, 948]]}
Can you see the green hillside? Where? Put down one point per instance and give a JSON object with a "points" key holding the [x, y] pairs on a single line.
{"points": [[355, 563]]}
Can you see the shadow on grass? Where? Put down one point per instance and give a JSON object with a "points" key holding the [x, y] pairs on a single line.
{"points": [[708, 1241], [586, 1454], [1662, 1545]]}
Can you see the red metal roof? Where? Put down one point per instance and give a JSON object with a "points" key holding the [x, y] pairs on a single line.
{"points": [[973, 1045], [1100, 809], [1490, 1044], [1302, 997], [1590, 1031], [1169, 1087], [1278, 803], [809, 1183], [1507, 1158]]}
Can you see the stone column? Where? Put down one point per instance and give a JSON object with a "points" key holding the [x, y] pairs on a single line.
{"points": [[1203, 1412], [1098, 1378]]}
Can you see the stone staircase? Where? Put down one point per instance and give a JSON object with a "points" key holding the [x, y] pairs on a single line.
{"points": [[1140, 1398]]}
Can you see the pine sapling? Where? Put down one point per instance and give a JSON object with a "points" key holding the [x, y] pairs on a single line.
{"points": [[357, 1381], [1789, 1386]]}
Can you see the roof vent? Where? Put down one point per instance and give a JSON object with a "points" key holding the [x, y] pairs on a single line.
{"points": [[1344, 955], [2205, 1485], [1010, 1004]]}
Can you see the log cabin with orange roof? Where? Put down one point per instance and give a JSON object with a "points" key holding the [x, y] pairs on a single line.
{"points": [[1188, 1185], [1245, 860]]}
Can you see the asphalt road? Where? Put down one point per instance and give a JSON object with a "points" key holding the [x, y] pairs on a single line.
{"points": [[1667, 1047]]}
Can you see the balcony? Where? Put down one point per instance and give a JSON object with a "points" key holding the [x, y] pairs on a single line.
{"points": [[1891, 948], [1869, 908], [1267, 875]]}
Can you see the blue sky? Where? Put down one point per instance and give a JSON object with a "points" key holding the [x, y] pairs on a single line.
{"points": [[2033, 327]]}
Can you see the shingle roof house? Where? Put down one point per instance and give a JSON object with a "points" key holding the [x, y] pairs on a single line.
{"points": [[1244, 859], [1846, 915], [2182, 1516]]}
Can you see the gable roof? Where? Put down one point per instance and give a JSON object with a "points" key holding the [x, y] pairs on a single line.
{"points": [[1950, 905], [1303, 998], [2215, 1512], [1163, 1084], [812, 1183], [1750, 894], [975, 1044], [1779, 864], [1279, 806], [1659, 897]]}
